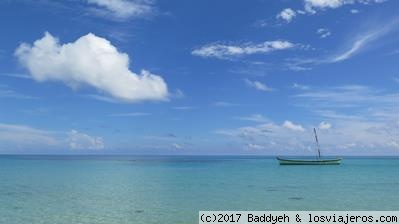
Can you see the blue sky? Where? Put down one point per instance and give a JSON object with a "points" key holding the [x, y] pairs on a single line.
{"points": [[199, 77]]}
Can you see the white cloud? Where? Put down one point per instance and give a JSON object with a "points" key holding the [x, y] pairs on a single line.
{"points": [[261, 23], [7, 92], [394, 52], [324, 125], [287, 14], [344, 95], [365, 39], [361, 121], [354, 11], [183, 108], [355, 48], [122, 9], [102, 98], [78, 140], [178, 94], [349, 137], [290, 125], [25, 136], [258, 85], [301, 12], [18, 76], [311, 6], [223, 104], [91, 61], [269, 136], [361, 42], [300, 86], [359, 99], [362, 116], [254, 117], [177, 146], [15, 137], [134, 114], [252, 146], [223, 51], [323, 33], [301, 64]]}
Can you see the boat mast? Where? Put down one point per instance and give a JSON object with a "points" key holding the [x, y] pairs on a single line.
{"points": [[317, 142]]}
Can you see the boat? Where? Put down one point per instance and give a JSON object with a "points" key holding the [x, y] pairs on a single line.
{"points": [[318, 161], [336, 161]]}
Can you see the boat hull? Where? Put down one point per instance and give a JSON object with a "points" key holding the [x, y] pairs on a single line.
{"points": [[309, 162]]}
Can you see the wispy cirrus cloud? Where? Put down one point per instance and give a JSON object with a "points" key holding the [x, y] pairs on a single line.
{"points": [[360, 116], [8, 92], [366, 39], [363, 41], [183, 108], [369, 102], [22, 136], [133, 114], [256, 147], [347, 137], [17, 75], [121, 9], [334, 102], [351, 120], [356, 47], [254, 117], [17, 137], [226, 51], [300, 86], [270, 137], [116, 10], [223, 104], [101, 98], [258, 85]]}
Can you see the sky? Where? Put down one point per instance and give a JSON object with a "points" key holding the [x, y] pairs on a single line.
{"points": [[205, 77]]}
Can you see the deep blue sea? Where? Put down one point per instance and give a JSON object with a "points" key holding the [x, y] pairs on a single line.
{"points": [[172, 189]]}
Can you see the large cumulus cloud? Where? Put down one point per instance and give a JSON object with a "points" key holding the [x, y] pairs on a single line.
{"points": [[92, 61]]}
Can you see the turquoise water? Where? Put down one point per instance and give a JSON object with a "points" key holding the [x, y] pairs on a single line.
{"points": [[130, 189]]}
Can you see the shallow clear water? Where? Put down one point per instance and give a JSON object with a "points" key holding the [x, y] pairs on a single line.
{"points": [[131, 189]]}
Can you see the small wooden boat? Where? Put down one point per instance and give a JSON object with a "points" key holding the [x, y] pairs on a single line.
{"points": [[336, 161], [317, 161]]}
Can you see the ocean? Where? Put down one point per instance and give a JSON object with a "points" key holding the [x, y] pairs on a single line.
{"points": [[172, 189]]}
